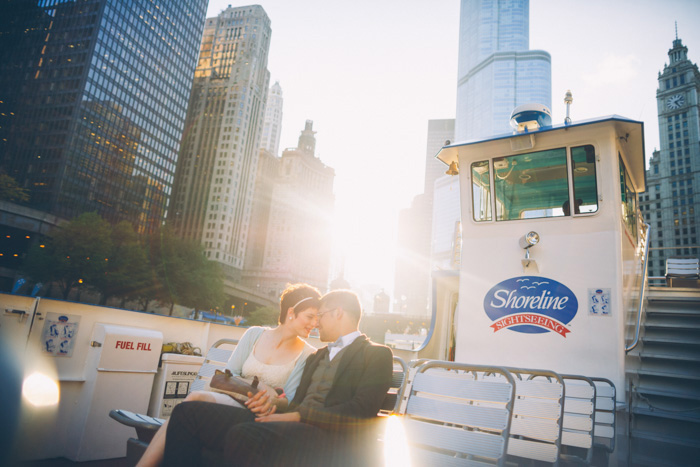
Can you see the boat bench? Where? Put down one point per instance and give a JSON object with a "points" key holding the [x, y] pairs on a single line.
{"points": [[453, 414], [683, 272], [553, 417], [605, 420], [216, 359], [538, 413]]}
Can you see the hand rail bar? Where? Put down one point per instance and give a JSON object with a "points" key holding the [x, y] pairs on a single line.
{"points": [[641, 291]]}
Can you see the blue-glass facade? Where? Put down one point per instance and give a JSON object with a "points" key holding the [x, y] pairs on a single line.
{"points": [[496, 70], [96, 92]]}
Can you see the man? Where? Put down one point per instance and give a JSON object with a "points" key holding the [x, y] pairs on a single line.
{"points": [[331, 420]]}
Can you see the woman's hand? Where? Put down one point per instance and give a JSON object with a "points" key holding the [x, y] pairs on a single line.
{"points": [[260, 403]]}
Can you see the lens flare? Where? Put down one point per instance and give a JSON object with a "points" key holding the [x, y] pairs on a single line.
{"points": [[396, 451], [40, 390]]}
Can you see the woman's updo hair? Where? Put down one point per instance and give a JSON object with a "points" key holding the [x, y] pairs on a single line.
{"points": [[300, 297]]}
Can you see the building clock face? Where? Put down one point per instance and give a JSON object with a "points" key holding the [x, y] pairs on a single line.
{"points": [[675, 102]]}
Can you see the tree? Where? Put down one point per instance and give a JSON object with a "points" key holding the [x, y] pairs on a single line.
{"points": [[11, 191], [76, 254], [264, 316], [127, 271], [184, 275]]}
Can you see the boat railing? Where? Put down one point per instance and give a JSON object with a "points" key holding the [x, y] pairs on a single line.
{"points": [[644, 243]]}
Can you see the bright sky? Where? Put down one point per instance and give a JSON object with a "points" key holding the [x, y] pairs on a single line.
{"points": [[371, 73]]}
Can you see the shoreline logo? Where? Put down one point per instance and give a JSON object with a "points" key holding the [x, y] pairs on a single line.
{"points": [[531, 304]]}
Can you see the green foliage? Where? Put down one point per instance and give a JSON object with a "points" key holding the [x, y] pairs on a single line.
{"points": [[263, 316], [11, 191], [74, 255], [183, 274], [88, 252], [127, 269]]}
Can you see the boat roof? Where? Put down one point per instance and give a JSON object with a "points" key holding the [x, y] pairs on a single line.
{"points": [[634, 142]]}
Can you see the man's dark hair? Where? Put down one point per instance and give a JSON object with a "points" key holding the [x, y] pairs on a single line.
{"points": [[345, 299], [299, 296]]}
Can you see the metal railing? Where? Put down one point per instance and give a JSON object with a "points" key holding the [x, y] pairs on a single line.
{"points": [[642, 289]]}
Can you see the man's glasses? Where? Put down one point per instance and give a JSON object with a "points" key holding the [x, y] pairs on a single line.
{"points": [[321, 313]]}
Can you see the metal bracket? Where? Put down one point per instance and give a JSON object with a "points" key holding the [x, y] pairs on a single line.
{"points": [[20, 313]]}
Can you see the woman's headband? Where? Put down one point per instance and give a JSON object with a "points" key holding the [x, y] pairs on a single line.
{"points": [[302, 301]]}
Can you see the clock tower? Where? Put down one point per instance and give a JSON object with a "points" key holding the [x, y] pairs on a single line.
{"points": [[673, 178]]}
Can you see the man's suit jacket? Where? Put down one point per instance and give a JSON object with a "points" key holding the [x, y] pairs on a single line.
{"points": [[359, 387]]}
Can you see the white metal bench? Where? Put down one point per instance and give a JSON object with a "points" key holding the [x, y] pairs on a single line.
{"points": [[579, 419], [538, 413], [399, 379], [606, 400], [453, 416], [682, 272]]}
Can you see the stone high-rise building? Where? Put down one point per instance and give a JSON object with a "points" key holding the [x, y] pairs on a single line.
{"points": [[673, 176], [93, 97], [215, 177], [272, 126], [297, 222]]}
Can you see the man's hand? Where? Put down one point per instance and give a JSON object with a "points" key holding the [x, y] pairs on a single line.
{"points": [[260, 403], [280, 417]]}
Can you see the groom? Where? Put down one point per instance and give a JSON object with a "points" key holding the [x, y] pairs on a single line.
{"points": [[331, 420]]}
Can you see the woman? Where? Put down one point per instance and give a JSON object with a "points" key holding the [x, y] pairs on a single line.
{"points": [[276, 356]]}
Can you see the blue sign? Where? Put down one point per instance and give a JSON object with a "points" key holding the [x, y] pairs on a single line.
{"points": [[531, 304]]}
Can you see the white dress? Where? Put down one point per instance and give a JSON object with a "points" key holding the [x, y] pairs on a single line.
{"points": [[272, 375]]}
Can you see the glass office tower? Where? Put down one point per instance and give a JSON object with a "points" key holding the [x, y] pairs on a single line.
{"points": [[496, 71], [93, 97]]}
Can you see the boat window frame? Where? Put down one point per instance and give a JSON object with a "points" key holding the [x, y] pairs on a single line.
{"points": [[570, 184], [626, 182]]}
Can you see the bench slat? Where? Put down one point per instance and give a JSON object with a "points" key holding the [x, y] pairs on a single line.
{"points": [[537, 408], [208, 369], [457, 387], [425, 457], [535, 428], [219, 355], [577, 422], [604, 391], [539, 388], [462, 414], [581, 440], [604, 431], [604, 404], [579, 391], [603, 418], [578, 406], [533, 450], [454, 439]]}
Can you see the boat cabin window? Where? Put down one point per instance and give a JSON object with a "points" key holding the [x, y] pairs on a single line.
{"points": [[629, 200], [585, 188], [481, 191], [528, 186], [535, 185]]}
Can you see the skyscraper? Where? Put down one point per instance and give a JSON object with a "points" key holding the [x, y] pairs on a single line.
{"points": [[272, 126], [439, 131], [93, 96], [297, 236], [496, 71], [413, 263], [674, 170], [215, 177]]}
